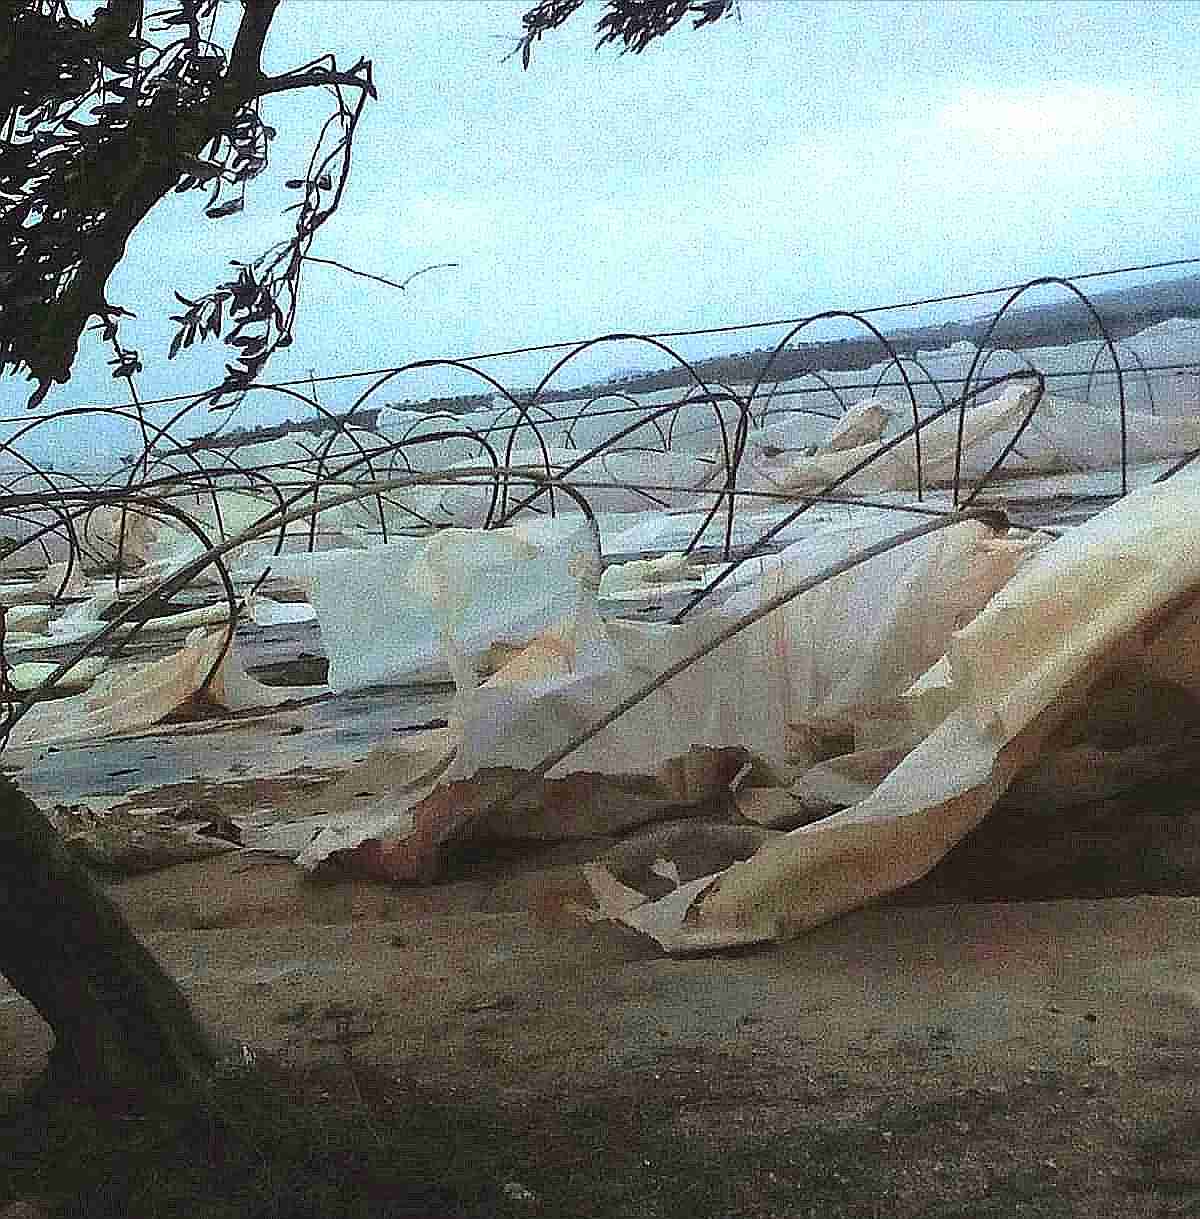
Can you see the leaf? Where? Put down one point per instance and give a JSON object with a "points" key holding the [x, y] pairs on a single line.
{"points": [[295, 184], [224, 209], [325, 182], [176, 343]]}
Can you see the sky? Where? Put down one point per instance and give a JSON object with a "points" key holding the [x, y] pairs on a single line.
{"points": [[806, 156]]}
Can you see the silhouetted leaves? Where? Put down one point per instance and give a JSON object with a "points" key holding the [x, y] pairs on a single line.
{"points": [[634, 23], [228, 208], [97, 123]]}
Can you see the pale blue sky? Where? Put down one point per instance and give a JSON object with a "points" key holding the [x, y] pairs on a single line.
{"points": [[809, 156]]}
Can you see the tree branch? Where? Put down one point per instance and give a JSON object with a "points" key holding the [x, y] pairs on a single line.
{"points": [[391, 283], [635, 23], [246, 57], [307, 80], [144, 137]]}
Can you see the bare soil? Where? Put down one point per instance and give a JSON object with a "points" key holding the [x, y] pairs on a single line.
{"points": [[479, 1052]]}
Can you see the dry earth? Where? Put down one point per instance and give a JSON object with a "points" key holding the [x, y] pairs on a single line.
{"points": [[1014, 1036], [1023, 1058]]}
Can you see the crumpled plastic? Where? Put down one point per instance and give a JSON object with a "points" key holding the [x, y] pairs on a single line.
{"points": [[1063, 435], [127, 697], [426, 609], [672, 480], [1120, 590], [747, 695]]}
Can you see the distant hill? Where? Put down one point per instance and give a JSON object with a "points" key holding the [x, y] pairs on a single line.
{"points": [[1126, 311]]}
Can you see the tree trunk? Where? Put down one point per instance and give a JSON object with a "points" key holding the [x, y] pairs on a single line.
{"points": [[120, 1023]]}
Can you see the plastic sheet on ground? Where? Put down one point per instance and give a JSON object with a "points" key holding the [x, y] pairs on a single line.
{"points": [[30, 674], [127, 697], [83, 622], [747, 696], [863, 423], [264, 611], [38, 592], [1118, 591], [1063, 435], [649, 574], [674, 477]]}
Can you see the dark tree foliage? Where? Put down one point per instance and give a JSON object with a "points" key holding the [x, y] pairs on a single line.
{"points": [[99, 120], [633, 23]]}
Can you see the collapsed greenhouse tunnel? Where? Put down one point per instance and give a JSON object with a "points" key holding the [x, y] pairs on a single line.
{"points": [[297, 494]]}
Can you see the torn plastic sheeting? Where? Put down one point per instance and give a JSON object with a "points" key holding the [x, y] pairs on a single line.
{"points": [[1062, 435], [680, 476], [264, 611], [255, 560], [835, 652], [745, 696], [127, 697], [80, 624], [1109, 591], [29, 675], [39, 592], [413, 609], [54, 575], [27, 618], [853, 645], [795, 431], [895, 469], [661, 532], [109, 529], [649, 574], [234, 513], [863, 423], [390, 816]]}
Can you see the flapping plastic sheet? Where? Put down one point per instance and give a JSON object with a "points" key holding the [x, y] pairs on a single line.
{"points": [[419, 609]]}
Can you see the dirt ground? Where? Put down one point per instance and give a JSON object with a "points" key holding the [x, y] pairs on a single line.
{"points": [[953, 1059]]}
